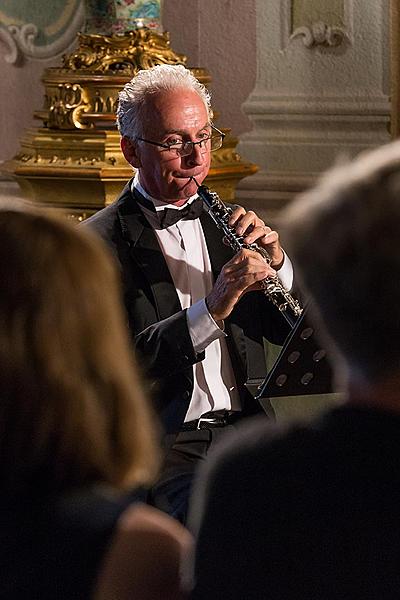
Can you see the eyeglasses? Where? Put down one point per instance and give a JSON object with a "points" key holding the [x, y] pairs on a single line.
{"points": [[182, 148]]}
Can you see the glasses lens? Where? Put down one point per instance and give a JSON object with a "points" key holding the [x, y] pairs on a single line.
{"points": [[187, 147], [184, 149], [216, 142]]}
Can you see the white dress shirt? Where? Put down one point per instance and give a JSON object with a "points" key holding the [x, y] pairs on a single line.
{"points": [[184, 248]]}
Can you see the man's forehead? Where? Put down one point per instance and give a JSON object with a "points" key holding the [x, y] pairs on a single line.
{"points": [[177, 110]]}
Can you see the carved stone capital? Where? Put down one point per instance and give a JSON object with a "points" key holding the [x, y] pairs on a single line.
{"points": [[320, 34]]}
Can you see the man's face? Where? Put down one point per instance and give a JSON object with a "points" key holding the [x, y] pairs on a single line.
{"points": [[174, 115]]}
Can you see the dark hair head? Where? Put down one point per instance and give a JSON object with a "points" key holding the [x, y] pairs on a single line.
{"points": [[344, 238]]}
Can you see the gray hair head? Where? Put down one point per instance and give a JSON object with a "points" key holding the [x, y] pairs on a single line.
{"points": [[344, 239], [133, 98]]}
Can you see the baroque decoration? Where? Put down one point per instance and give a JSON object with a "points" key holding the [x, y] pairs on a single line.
{"points": [[320, 34], [74, 160], [84, 91]]}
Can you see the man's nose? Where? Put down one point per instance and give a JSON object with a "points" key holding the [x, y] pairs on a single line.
{"points": [[196, 157]]}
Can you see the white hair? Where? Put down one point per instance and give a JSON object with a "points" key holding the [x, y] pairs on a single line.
{"points": [[133, 98]]}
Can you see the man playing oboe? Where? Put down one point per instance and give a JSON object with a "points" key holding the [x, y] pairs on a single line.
{"points": [[195, 327]]}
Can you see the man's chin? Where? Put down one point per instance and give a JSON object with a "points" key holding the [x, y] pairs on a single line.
{"points": [[189, 191], [191, 187], [183, 196], [185, 188]]}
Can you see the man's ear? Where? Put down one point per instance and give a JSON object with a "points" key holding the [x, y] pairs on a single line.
{"points": [[129, 151]]}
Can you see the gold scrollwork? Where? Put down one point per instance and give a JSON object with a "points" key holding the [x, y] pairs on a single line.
{"points": [[101, 104], [223, 156], [83, 93], [122, 54], [67, 106]]}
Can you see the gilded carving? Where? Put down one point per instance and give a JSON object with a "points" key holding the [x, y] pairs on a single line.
{"points": [[83, 93], [224, 157], [63, 160], [67, 106], [126, 53]]}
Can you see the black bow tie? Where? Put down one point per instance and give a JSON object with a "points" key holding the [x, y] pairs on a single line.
{"points": [[170, 216]]}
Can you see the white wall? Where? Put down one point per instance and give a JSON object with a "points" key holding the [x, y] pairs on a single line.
{"points": [[314, 101]]}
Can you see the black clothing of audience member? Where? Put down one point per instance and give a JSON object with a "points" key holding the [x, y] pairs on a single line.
{"points": [[308, 512], [164, 118], [303, 513], [53, 546]]}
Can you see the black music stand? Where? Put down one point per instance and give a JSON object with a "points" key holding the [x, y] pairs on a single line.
{"points": [[302, 367]]}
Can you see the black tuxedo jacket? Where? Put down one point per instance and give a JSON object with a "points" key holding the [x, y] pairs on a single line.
{"points": [[157, 322]]}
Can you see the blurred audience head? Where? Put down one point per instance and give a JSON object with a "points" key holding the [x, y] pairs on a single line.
{"points": [[72, 409], [344, 238]]}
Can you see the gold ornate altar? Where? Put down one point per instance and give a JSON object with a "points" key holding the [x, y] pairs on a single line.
{"points": [[74, 161]]}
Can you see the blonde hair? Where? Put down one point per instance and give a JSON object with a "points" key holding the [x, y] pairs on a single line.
{"points": [[72, 407]]}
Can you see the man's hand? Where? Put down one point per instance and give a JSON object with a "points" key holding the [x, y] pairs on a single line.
{"points": [[241, 274], [249, 225]]}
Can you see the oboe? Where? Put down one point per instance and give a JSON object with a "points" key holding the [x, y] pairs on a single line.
{"points": [[272, 287]]}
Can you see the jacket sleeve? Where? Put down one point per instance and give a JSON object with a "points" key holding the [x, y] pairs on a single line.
{"points": [[166, 346]]}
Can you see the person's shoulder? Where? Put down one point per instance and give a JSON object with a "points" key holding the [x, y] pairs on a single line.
{"points": [[104, 220], [144, 559]]}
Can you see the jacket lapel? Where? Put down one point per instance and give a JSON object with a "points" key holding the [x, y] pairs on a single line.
{"points": [[218, 252], [146, 254]]}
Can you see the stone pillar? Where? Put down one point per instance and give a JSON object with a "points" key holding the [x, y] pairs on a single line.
{"points": [[322, 92]]}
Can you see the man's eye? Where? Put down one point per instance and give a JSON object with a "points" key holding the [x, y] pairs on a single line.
{"points": [[173, 142], [204, 135]]}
